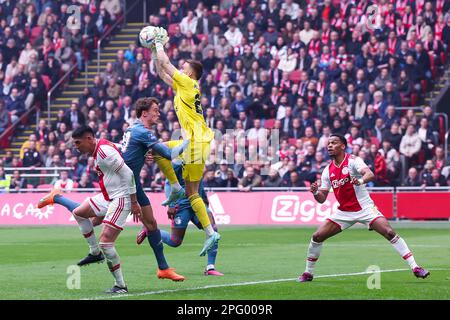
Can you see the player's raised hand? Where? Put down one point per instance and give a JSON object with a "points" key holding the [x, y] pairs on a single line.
{"points": [[171, 211], [136, 211], [314, 187]]}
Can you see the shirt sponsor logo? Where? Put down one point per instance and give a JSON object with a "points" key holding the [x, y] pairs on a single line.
{"points": [[340, 182]]}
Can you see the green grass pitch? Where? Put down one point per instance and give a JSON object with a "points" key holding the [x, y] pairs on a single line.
{"points": [[258, 262]]}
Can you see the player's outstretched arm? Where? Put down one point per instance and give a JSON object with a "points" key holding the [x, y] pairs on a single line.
{"points": [[162, 57], [170, 153], [159, 70]]}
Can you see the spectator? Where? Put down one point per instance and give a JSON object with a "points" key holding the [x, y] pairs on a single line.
{"points": [[17, 182], [294, 181], [410, 146], [15, 104], [250, 180], [231, 181], [64, 55], [380, 168], [85, 182], [74, 118], [5, 180], [233, 35], [273, 179], [426, 136], [437, 179], [394, 136], [31, 157], [210, 180], [189, 23], [439, 157], [64, 183], [413, 179]]}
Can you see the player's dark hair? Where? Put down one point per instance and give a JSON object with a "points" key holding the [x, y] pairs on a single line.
{"points": [[81, 131], [197, 67], [144, 104], [341, 138]]}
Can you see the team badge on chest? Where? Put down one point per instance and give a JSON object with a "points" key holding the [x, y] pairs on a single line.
{"points": [[345, 170]]}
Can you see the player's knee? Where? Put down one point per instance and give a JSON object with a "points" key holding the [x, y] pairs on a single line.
{"points": [[176, 241], [390, 233], [318, 237], [150, 224], [107, 248], [77, 212]]}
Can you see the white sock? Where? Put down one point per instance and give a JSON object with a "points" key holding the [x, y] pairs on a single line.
{"points": [[176, 186], [209, 231], [402, 248], [210, 267], [113, 261], [314, 249], [87, 229]]}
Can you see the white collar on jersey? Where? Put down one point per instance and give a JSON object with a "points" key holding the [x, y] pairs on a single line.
{"points": [[338, 166]]}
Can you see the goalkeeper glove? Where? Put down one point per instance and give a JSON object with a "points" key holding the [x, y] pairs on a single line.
{"points": [[161, 38]]}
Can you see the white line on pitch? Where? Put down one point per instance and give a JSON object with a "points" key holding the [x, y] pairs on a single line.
{"points": [[241, 284]]}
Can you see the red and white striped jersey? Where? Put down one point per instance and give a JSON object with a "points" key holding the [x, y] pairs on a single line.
{"points": [[351, 198], [109, 165]]}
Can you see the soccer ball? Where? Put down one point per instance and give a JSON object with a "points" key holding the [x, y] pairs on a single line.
{"points": [[147, 36]]}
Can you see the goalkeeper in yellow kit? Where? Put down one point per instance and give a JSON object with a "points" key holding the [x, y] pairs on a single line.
{"points": [[190, 115]]}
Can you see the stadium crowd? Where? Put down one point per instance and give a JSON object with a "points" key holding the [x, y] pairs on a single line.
{"points": [[307, 68]]}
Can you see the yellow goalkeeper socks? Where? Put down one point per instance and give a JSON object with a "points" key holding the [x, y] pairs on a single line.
{"points": [[199, 208], [166, 168]]}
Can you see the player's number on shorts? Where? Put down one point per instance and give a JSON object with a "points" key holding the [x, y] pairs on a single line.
{"points": [[125, 141], [198, 107]]}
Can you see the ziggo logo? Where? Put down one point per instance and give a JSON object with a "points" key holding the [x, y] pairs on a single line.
{"points": [[341, 182], [286, 208]]}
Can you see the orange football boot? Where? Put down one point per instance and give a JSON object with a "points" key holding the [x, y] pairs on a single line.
{"points": [[49, 198], [169, 274]]}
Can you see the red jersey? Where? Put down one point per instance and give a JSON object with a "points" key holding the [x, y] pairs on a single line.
{"points": [[108, 164], [351, 198]]}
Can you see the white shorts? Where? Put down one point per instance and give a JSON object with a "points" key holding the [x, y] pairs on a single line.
{"points": [[115, 212], [99, 204], [347, 219]]}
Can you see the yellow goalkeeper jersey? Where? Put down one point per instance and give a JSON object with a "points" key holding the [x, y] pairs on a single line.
{"points": [[188, 108]]}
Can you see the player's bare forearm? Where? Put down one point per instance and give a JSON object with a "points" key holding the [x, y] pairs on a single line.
{"points": [[367, 176], [136, 210], [164, 62], [162, 74], [319, 195]]}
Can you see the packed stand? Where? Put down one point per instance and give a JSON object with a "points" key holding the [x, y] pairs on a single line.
{"points": [[38, 45], [308, 69]]}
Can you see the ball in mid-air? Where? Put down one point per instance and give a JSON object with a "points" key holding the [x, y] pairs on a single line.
{"points": [[147, 36]]}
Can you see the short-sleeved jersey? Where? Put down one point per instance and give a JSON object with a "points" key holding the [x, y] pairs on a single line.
{"points": [[108, 162], [137, 140], [184, 203], [351, 198], [188, 108]]}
